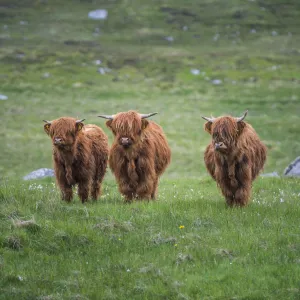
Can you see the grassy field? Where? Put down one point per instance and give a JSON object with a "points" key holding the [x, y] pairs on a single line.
{"points": [[52, 57], [187, 245]]}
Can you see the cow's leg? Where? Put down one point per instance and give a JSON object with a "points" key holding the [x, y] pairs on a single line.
{"points": [[96, 184], [66, 193], [147, 182], [154, 190], [83, 190], [62, 182], [229, 196], [98, 178], [146, 189], [242, 195], [126, 190], [243, 192], [95, 189]]}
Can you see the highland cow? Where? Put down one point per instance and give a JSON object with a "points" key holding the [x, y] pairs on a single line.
{"points": [[234, 157], [80, 155], [139, 154]]}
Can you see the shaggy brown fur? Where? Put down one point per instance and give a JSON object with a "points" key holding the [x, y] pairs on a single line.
{"points": [[234, 157], [80, 154], [138, 156]]}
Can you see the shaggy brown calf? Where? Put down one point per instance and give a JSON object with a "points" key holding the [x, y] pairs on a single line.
{"points": [[234, 157], [139, 154], [80, 154]]}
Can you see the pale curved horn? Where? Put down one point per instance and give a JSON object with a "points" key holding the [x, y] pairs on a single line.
{"points": [[143, 116], [48, 122], [211, 120], [79, 121], [242, 117], [107, 117]]}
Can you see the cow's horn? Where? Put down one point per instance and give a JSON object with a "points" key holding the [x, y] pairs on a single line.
{"points": [[79, 121], [211, 120], [143, 116], [48, 122], [242, 117], [107, 117]]}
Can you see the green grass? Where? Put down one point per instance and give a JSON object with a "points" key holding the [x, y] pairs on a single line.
{"points": [[48, 51], [109, 250], [260, 72]]}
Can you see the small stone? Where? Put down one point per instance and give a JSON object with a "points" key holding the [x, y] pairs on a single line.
{"points": [[274, 33], [46, 75], [195, 71], [98, 62], [253, 30], [185, 28], [40, 173], [103, 70], [217, 81], [20, 55], [3, 97], [169, 38], [23, 23], [216, 37], [99, 14]]}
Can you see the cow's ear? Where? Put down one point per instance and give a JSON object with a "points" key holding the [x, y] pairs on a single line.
{"points": [[108, 124], [79, 126], [47, 128], [207, 127], [145, 123], [241, 126]]}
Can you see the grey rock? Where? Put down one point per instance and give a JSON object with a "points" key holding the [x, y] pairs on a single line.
{"points": [[169, 38], [273, 174], [3, 97], [40, 173], [103, 70], [274, 33], [217, 81], [99, 14], [216, 37], [195, 71], [46, 75], [293, 169], [20, 55]]}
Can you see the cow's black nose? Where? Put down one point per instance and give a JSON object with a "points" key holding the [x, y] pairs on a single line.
{"points": [[219, 145], [57, 140], [124, 140]]}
